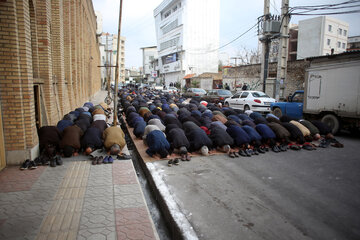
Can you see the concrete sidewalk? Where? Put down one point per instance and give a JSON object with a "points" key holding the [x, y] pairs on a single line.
{"points": [[74, 201]]}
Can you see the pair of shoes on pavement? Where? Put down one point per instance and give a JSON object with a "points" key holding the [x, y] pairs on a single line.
{"points": [[175, 161], [97, 160], [276, 149], [123, 157], [108, 159], [56, 160], [28, 164], [246, 152], [233, 154]]}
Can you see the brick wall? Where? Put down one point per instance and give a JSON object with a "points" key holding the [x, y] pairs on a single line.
{"points": [[52, 44], [250, 74]]}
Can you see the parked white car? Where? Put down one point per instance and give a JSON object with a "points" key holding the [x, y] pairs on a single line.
{"points": [[250, 100], [172, 90]]}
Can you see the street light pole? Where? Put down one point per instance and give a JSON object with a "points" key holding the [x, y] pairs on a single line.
{"points": [[117, 67]]}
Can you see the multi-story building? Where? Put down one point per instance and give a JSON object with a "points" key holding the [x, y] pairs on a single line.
{"points": [[149, 54], [108, 49], [187, 38], [321, 36], [353, 43], [49, 66]]}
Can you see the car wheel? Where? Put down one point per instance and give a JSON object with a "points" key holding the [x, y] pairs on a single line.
{"points": [[277, 112], [226, 104], [246, 108], [332, 121]]}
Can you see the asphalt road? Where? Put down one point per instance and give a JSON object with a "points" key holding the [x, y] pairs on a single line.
{"points": [[291, 195]]}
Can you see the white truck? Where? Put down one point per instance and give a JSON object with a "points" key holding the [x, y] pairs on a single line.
{"points": [[332, 90]]}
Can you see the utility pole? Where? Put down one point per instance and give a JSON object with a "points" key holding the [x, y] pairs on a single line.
{"points": [[265, 47], [117, 67], [283, 48]]}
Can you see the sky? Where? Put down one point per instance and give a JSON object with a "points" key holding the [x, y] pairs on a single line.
{"points": [[138, 24]]}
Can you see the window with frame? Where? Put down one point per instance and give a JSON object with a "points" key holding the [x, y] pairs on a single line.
{"points": [[328, 42], [244, 95], [345, 32], [343, 45], [340, 31], [236, 95], [167, 14], [339, 44], [329, 28]]}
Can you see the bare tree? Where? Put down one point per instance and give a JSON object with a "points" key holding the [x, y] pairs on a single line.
{"points": [[248, 56]]}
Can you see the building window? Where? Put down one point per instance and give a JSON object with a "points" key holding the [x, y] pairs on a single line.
{"points": [[167, 14], [345, 32], [174, 24], [339, 44], [175, 8], [340, 31], [328, 42], [330, 28], [170, 43], [343, 45]]}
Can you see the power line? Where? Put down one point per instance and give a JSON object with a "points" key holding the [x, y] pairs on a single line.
{"points": [[213, 50]]}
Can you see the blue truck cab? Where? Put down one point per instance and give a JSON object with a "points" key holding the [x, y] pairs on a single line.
{"points": [[292, 108]]}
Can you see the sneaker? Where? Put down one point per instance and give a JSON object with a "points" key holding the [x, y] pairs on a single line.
{"points": [[37, 161], [176, 161], [53, 162], [170, 162], [106, 160], [110, 159], [261, 150], [248, 152], [242, 153], [25, 164], [99, 160], [32, 165], [94, 161], [58, 160]]}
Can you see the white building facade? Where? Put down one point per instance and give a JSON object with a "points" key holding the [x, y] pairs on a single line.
{"points": [[149, 54], [187, 38], [108, 49], [321, 36]]}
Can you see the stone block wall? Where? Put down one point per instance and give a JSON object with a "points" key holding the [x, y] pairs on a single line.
{"points": [[50, 45], [250, 74]]}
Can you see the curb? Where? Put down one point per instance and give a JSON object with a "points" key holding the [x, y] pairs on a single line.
{"points": [[177, 223]]}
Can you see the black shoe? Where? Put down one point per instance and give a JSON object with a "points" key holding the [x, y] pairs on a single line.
{"points": [[123, 157], [53, 162], [38, 161], [275, 149], [248, 152], [261, 150], [176, 161], [25, 164], [170, 162], [58, 160], [242, 153], [256, 152], [32, 165], [283, 147], [266, 149], [94, 161]]}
